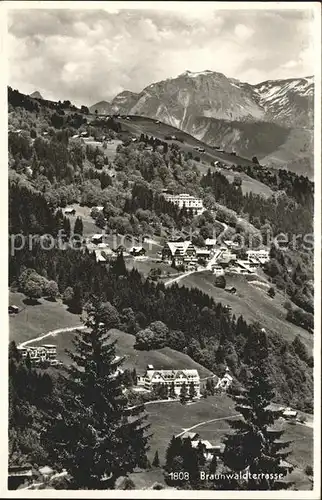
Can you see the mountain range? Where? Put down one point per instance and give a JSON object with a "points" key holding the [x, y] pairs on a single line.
{"points": [[272, 120]]}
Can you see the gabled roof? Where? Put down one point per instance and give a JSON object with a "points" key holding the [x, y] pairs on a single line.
{"points": [[205, 443], [180, 246], [136, 249], [172, 375], [189, 435]]}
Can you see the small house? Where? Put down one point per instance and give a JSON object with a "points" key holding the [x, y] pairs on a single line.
{"points": [[46, 471], [13, 309], [97, 238], [208, 448], [190, 435], [210, 243], [286, 467], [202, 253], [225, 382], [231, 289], [289, 414], [100, 257], [137, 251], [218, 270], [70, 211]]}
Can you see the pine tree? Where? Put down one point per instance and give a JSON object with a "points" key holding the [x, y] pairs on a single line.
{"points": [[254, 445], [76, 303], [66, 228], [119, 267], [200, 453], [96, 437], [156, 460], [192, 391], [173, 450], [78, 226], [213, 465], [172, 392], [134, 376], [183, 393]]}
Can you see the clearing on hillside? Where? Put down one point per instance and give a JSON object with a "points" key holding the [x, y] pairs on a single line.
{"points": [[252, 302]]}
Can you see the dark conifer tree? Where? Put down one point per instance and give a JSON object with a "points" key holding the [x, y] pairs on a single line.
{"points": [[192, 391], [213, 465], [76, 303], [183, 393], [119, 267], [156, 460], [172, 393], [255, 445], [173, 450], [78, 226], [96, 437]]}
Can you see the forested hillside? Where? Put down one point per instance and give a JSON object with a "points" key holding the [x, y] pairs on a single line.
{"points": [[50, 168]]}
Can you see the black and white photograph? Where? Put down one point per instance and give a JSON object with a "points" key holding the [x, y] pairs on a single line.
{"points": [[164, 239]]}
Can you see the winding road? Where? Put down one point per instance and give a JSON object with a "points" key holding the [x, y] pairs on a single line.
{"points": [[52, 333]]}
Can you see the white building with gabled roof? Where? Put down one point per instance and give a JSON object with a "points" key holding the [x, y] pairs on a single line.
{"points": [[179, 252], [153, 377]]}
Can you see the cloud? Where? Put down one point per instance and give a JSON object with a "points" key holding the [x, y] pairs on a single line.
{"points": [[243, 32], [91, 55], [290, 64]]}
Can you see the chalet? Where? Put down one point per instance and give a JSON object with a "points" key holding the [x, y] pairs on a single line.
{"points": [[202, 253], [189, 435], [286, 467], [210, 243], [289, 414], [261, 256], [13, 309], [225, 382], [232, 245], [70, 211], [137, 251], [208, 448], [153, 377], [100, 259], [46, 471], [218, 270], [97, 238], [226, 256], [179, 252], [246, 265], [231, 289]]}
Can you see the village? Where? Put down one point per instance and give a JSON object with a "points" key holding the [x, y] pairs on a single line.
{"points": [[219, 255]]}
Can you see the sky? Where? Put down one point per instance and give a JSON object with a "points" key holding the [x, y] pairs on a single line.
{"points": [[91, 55]]}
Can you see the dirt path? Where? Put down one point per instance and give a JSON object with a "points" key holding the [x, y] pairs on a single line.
{"points": [[52, 333], [206, 422]]}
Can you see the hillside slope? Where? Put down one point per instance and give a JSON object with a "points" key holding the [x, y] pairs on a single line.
{"points": [[165, 358]]}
